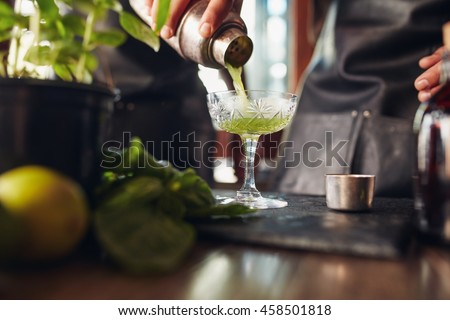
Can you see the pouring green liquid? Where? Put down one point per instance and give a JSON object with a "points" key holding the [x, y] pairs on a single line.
{"points": [[251, 125], [236, 76]]}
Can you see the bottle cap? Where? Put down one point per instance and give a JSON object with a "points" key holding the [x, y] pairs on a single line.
{"points": [[446, 33]]}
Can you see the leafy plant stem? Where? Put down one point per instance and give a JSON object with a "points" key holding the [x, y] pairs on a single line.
{"points": [[15, 44], [90, 23], [35, 25], [14, 53]]}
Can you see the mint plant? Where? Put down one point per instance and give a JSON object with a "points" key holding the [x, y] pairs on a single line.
{"points": [[61, 35]]}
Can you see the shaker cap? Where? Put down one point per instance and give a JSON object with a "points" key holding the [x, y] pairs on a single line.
{"points": [[231, 46]]}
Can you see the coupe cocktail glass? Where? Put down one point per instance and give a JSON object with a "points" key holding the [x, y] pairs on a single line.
{"points": [[250, 114]]}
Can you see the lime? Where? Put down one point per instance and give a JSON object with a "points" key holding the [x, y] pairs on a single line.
{"points": [[51, 208]]}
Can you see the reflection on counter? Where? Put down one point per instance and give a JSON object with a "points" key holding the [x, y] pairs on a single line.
{"points": [[255, 272]]}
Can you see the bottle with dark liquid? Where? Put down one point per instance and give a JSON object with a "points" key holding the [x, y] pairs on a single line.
{"points": [[432, 129]]}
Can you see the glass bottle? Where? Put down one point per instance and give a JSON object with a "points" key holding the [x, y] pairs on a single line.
{"points": [[432, 129]]}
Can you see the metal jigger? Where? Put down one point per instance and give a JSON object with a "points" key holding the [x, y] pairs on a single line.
{"points": [[349, 192]]}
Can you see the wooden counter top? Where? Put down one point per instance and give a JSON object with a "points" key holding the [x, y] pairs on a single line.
{"points": [[220, 268]]}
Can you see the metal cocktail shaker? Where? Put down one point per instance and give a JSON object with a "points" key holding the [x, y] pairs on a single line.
{"points": [[229, 44]]}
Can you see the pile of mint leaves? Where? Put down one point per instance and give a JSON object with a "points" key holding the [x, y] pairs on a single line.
{"points": [[143, 218]]}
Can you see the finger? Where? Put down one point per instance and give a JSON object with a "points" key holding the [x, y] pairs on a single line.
{"points": [[143, 9], [177, 7], [153, 12], [428, 61], [425, 95], [436, 89], [429, 79], [213, 16], [149, 6]]}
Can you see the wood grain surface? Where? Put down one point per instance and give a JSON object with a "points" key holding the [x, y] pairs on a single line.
{"points": [[221, 270]]}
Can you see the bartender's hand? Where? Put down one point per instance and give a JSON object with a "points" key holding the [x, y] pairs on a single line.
{"points": [[216, 11], [428, 82]]}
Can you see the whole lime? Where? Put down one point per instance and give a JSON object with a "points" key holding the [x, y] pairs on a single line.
{"points": [[51, 208]]}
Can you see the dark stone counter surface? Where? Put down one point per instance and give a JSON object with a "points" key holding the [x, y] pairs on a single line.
{"points": [[385, 232]]}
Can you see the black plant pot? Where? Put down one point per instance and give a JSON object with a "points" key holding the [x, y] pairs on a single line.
{"points": [[56, 124]]}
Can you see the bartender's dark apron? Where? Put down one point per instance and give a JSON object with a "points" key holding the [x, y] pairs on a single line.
{"points": [[358, 99]]}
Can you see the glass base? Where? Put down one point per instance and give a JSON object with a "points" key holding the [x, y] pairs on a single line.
{"points": [[254, 203]]}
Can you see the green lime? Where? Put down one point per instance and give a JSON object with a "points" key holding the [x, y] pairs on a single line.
{"points": [[52, 211]]}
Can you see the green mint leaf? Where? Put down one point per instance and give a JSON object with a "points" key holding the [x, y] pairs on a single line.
{"points": [[142, 241], [111, 5], [7, 17], [162, 13], [63, 72], [41, 55], [6, 10], [48, 8], [6, 23], [91, 62], [84, 6], [139, 30], [112, 38], [74, 24]]}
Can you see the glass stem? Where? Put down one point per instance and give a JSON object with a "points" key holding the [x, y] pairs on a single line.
{"points": [[248, 190]]}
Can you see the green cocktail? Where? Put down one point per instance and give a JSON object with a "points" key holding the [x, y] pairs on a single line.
{"points": [[252, 126], [250, 114]]}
